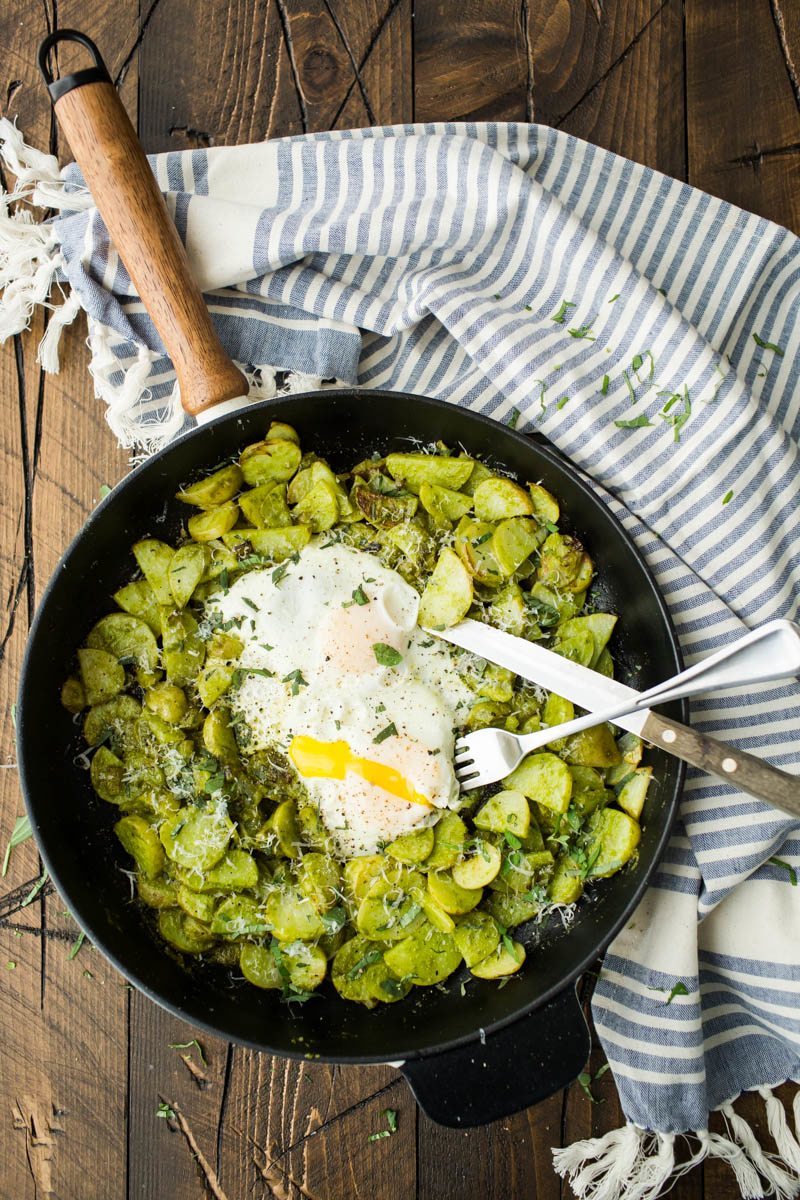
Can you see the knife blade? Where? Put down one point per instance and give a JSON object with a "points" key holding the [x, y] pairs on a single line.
{"points": [[582, 686]]}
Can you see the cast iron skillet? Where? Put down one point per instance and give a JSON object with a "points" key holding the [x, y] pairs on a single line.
{"points": [[470, 1058], [536, 1039]]}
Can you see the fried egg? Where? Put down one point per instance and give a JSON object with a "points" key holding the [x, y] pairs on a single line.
{"points": [[338, 677]]}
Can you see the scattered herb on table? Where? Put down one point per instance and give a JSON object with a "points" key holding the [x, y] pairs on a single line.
{"points": [[560, 317], [726, 499], [165, 1111], [764, 345], [629, 386], [188, 1046], [103, 491], [676, 412], [604, 386], [634, 423], [76, 945], [583, 331], [678, 989], [560, 403], [37, 887], [19, 834], [391, 1123], [787, 867], [586, 1080], [513, 418]]}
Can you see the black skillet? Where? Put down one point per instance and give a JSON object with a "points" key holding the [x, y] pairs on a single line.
{"points": [[471, 1057]]}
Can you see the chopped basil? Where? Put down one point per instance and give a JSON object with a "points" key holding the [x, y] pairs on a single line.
{"points": [[478, 541], [677, 418], [164, 1111], [678, 989], [561, 316], [19, 834], [585, 1080], [371, 957], [513, 418], [250, 604], [583, 331], [787, 867], [103, 491], [629, 386], [295, 678], [560, 403], [759, 341], [76, 945], [389, 731], [391, 1121], [726, 499], [359, 596], [604, 386], [634, 423], [37, 887], [551, 526], [387, 656], [334, 920], [613, 298], [512, 840], [188, 1046]]}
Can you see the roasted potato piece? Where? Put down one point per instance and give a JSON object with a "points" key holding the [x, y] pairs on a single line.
{"points": [[214, 489], [448, 593]]}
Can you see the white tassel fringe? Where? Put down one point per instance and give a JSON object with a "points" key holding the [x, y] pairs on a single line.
{"points": [[632, 1163]]}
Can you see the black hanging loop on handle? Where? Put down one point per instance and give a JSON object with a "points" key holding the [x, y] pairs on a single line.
{"points": [[59, 87]]}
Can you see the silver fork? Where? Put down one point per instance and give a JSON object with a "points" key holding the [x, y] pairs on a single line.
{"points": [[487, 755]]}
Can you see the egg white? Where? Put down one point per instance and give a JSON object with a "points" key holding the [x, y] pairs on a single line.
{"points": [[309, 626]]}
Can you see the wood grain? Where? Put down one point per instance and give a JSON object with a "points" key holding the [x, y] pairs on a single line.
{"points": [[86, 1061], [744, 120]]}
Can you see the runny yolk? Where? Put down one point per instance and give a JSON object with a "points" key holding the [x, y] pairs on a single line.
{"points": [[332, 760]]}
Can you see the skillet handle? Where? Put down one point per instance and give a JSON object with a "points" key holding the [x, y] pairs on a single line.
{"points": [[524, 1063], [124, 189]]}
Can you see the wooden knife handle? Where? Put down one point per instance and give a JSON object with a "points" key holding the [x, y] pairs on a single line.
{"points": [[124, 189], [747, 772]]}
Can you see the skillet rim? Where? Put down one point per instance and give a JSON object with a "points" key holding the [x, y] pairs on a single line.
{"points": [[565, 987]]}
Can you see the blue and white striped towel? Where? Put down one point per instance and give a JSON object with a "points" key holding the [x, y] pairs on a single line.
{"points": [[434, 259]]}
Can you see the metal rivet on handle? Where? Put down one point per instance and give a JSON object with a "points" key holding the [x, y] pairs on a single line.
{"points": [[669, 735], [729, 764]]}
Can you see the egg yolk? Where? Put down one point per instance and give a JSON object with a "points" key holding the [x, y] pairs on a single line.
{"points": [[332, 760]]}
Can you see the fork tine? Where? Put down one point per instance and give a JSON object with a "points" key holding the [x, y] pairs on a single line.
{"points": [[463, 758]]}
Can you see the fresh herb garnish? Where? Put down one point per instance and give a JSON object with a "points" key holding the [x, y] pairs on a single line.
{"points": [[561, 316], [19, 834], [295, 678], [484, 537], [334, 919], [613, 298], [759, 341], [164, 1111], [387, 656], [586, 1080], [542, 390], [513, 418], [389, 731], [634, 423], [37, 887], [510, 947], [188, 1046], [512, 840], [250, 603], [787, 867], [551, 526], [280, 571], [629, 386], [410, 915], [726, 499], [76, 945], [583, 331], [677, 416], [604, 386], [560, 403], [371, 957], [678, 989], [103, 491], [391, 1121], [359, 596]]}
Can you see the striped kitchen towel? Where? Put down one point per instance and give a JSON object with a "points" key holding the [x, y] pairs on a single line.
{"points": [[653, 334]]}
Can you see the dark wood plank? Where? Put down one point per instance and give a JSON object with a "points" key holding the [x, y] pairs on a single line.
{"points": [[471, 61], [744, 104], [617, 82]]}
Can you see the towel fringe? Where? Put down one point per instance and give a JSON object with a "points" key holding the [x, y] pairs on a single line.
{"points": [[632, 1163]]}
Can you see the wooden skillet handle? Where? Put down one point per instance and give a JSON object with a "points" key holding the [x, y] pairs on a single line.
{"points": [[751, 774], [124, 189]]}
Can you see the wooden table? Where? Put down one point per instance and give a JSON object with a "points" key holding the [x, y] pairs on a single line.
{"points": [[706, 90]]}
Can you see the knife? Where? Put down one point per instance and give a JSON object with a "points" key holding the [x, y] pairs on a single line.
{"points": [[594, 692]]}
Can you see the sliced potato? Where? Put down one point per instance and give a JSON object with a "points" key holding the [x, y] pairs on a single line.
{"points": [[187, 568], [139, 599], [497, 498], [505, 960], [259, 966], [382, 510], [507, 811], [214, 489], [476, 936], [593, 748], [141, 841], [292, 915], [449, 835], [183, 650], [513, 541], [218, 737], [154, 558], [183, 932], [544, 778], [214, 522], [480, 868], [507, 610], [444, 503], [412, 847], [197, 838], [127, 638], [615, 837], [566, 884], [599, 626], [273, 544], [545, 505], [450, 896], [319, 508], [279, 430], [473, 544], [448, 593], [212, 682], [632, 795], [265, 506], [275, 458], [101, 675], [412, 470], [107, 773], [73, 695], [564, 564]]}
